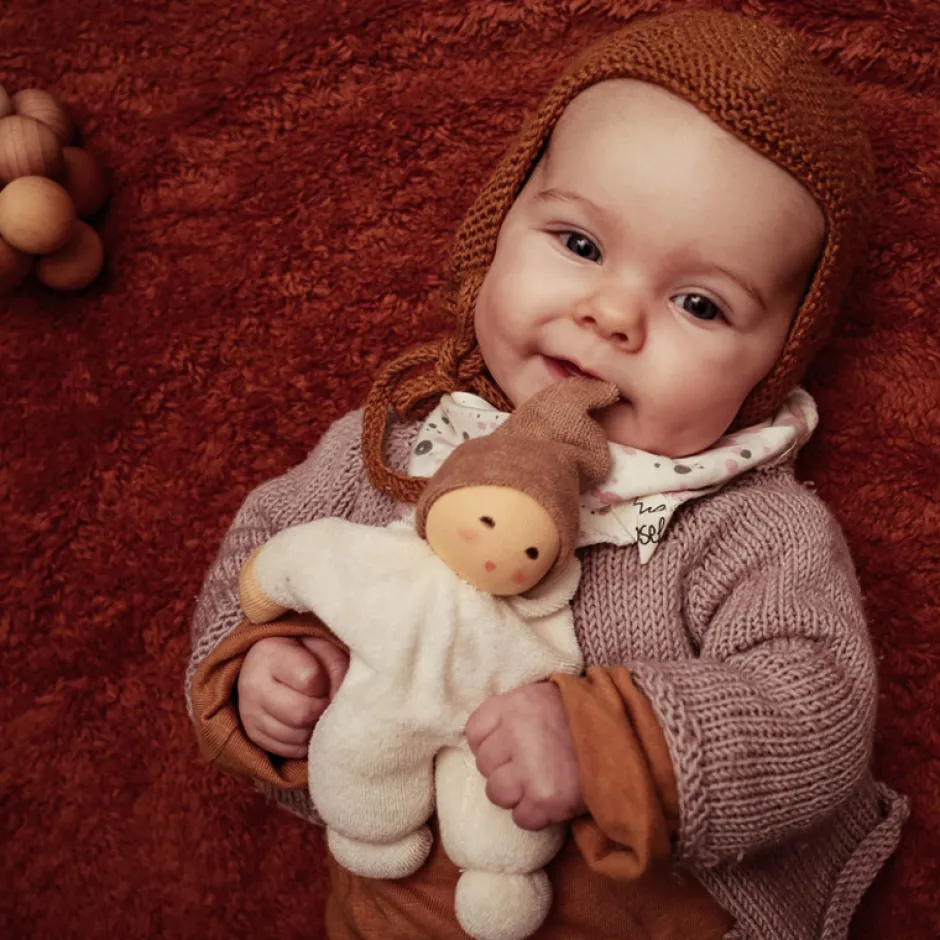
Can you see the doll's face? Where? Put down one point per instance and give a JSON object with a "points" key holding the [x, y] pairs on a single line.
{"points": [[499, 539], [652, 249]]}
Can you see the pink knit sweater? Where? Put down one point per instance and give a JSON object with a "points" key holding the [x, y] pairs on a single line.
{"points": [[745, 631]]}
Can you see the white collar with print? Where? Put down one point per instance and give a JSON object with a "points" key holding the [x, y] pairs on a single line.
{"points": [[636, 503]]}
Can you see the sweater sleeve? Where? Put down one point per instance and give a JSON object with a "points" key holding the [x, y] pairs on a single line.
{"points": [[770, 727]]}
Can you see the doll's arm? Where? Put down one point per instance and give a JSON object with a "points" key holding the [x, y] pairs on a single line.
{"points": [[356, 578]]}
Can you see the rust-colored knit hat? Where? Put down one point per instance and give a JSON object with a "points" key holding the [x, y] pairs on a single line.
{"points": [[757, 81], [550, 448]]}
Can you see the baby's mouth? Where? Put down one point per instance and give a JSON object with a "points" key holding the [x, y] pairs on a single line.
{"points": [[564, 368]]}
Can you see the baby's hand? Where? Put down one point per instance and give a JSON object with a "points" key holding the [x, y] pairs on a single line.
{"points": [[284, 686], [523, 747]]}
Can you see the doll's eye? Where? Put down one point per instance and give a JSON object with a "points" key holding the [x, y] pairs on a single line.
{"points": [[581, 245], [488, 522], [532, 552], [698, 306]]}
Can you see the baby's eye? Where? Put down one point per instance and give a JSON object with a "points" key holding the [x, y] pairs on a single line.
{"points": [[533, 553], [581, 245], [698, 306]]}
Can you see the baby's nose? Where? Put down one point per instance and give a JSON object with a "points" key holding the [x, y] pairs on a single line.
{"points": [[618, 317]]}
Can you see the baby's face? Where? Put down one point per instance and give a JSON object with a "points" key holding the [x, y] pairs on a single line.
{"points": [[652, 249]]}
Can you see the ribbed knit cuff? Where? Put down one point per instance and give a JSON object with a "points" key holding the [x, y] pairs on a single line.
{"points": [[258, 607], [684, 740]]}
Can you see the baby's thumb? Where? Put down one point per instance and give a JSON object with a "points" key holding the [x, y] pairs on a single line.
{"points": [[306, 674], [333, 663]]}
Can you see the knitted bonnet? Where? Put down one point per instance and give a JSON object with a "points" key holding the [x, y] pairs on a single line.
{"points": [[757, 81], [549, 448]]}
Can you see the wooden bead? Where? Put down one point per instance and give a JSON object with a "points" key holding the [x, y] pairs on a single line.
{"points": [[14, 266], [43, 107], [84, 180], [27, 148], [76, 264], [36, 215], [6, 105]]}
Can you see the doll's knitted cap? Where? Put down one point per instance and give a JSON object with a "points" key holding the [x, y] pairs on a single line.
{"points": [[550, 448], [760, 83]]}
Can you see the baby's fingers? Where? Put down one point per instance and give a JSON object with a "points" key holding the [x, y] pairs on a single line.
{"points": [[492, 753], [292, 708], [483, 722], [528, 815], [333, 661], [277, 738], [297, 668], [504, 787]]}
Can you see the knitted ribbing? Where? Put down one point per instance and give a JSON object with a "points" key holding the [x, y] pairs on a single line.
{"points": [[745, 631], [756, 80]]}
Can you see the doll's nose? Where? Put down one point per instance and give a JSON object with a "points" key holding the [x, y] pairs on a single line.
{"points": [[617, 316]]}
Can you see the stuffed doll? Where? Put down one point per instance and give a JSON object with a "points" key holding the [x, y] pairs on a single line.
{"points": [[466, 598]]}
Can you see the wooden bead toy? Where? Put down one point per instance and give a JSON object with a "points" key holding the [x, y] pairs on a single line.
{"points": [[14, 267], [42, 107], [76, 264], [27, 148], [84, 180], [47, 186], [36, 215]]}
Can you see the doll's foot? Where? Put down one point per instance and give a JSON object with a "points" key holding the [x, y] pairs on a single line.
{"points": [[381, 860], [498, 906]]}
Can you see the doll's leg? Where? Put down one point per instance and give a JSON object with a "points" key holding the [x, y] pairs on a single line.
{"points": [[499, 906], [396, 859], [375, 802], [503, 893]]}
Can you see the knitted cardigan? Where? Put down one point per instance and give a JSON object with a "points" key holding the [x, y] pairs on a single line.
{"points": [[746, 633]]}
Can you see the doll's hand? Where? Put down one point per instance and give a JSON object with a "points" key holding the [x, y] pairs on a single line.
{"points": [[285, 684], [523, 747]]}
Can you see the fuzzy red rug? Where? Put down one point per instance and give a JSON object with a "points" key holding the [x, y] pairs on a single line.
{"points": [[286, 179]]}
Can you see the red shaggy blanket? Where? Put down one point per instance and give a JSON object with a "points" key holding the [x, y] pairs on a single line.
{"points": [[286, 178]]}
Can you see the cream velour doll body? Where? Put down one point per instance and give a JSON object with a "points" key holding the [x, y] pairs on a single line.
{"points": [[436, 621], [426, 648]]}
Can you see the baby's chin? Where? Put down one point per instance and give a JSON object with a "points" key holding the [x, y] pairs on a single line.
{"points": [[623, 426]]}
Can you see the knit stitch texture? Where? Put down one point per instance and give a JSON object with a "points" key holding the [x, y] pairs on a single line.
{"points": [[745, 631]]}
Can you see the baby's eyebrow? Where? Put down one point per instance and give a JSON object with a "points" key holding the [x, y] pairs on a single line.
{"points": [[553, 194], [750, 289]]}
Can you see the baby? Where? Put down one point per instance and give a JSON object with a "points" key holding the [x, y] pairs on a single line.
{"points": [[679, 218]]}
